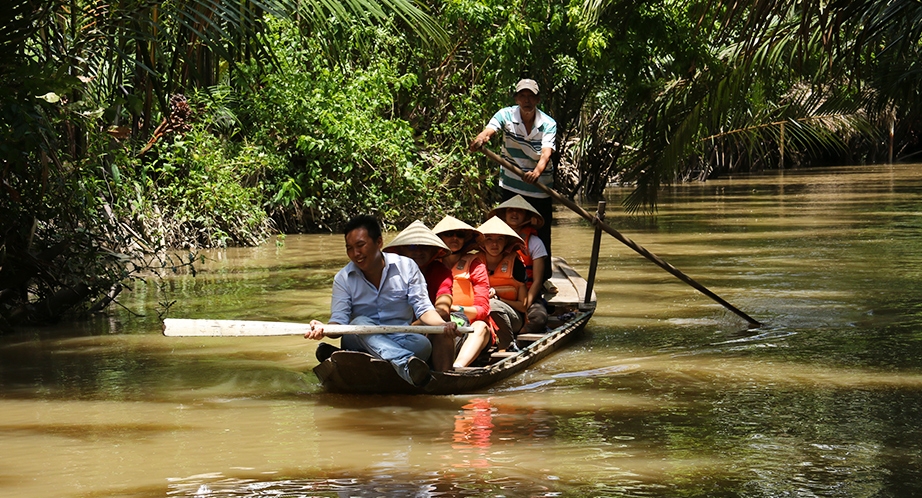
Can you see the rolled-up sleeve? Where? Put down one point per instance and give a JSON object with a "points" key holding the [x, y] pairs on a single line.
{"points": [[341, 302]]}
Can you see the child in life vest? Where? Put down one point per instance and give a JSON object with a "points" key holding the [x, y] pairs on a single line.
{"points": [[470, 292], [525, 220], [499, 246]]}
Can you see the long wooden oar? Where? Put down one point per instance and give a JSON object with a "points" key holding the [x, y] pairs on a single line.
{"points": [[186, 327], [626, 241]]}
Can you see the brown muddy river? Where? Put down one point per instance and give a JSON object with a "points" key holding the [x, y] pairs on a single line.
{"points": [[666, 394]]}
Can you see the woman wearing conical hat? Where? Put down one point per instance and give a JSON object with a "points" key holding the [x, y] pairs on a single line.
{"points": [[471, 289], [420, 244], [525, 220], [499, 245]]}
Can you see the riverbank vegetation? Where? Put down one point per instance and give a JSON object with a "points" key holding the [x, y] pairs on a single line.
{"points": [[131, 128]]}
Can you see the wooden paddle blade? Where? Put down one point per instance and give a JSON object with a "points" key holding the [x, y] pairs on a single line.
{"points": [[186, 327], [183, 327]]}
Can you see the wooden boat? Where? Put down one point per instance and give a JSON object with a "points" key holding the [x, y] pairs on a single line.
{"points": [[571, 305], [568, 313]]}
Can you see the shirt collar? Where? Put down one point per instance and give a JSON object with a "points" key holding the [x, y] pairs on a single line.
{"points": [[517, 117], [389, 260]]}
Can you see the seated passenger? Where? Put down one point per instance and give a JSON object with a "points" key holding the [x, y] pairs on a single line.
{"points": [[470, 291], [499, 244], [525, 220], [418, 243], [376, 288]]}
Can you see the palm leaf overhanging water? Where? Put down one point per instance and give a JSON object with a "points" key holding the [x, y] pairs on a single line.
{"points": [[778, 80]]}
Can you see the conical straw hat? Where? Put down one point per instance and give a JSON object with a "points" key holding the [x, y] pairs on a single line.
{"points": [[417, 233], [496, 226], [520, 203], [450, 223]]}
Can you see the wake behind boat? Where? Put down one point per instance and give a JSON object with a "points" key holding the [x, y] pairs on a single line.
{"points": [[568, 313]]}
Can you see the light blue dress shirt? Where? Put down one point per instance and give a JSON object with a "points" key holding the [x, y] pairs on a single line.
{"points": [[401, 299]]}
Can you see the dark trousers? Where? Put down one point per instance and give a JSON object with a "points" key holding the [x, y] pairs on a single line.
{"points": [[545, 207]]}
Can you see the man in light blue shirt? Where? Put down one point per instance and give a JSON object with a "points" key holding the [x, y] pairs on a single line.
{"points": [[378, 288]]}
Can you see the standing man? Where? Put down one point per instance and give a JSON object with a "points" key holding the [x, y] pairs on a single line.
{"points": [[528, 142], [377, 288]]}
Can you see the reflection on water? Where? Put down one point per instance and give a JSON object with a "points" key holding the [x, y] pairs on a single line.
{"points": [[473, 430], [667, 394]]}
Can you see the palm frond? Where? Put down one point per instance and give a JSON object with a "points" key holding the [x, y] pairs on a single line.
{"points": [[803, 77]]}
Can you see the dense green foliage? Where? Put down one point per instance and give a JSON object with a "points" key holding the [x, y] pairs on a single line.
{"points": [[131, 127], [345, 150]]}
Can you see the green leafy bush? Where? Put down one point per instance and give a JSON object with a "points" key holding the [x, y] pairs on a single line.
{"points": [[202, 191], [348, 150]]}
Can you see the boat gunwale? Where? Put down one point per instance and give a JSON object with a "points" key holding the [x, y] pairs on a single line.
{"points": [[536, 347]]}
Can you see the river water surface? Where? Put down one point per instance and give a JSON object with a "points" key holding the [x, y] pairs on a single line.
{"points": [[666, 394]]}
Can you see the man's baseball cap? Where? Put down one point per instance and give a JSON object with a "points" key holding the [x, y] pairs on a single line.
{"points": [[527, 84]]}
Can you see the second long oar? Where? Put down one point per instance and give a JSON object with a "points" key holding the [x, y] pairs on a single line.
{"points": [[624, 240], [188, 327]]}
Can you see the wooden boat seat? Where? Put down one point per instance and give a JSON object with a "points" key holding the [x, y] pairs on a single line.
{"points": [[528, 337], [465, 369], [569, 285]]}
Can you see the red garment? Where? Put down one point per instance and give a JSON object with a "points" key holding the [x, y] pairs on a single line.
{"points": [[525, 254], [438, 280]]}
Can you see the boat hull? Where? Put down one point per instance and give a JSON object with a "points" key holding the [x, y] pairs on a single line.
{"points": [[360, 373], [570, 310]]}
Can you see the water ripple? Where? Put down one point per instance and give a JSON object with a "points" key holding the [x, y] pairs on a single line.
{"points": [[599, 372], [774, 334], [527, 387]]}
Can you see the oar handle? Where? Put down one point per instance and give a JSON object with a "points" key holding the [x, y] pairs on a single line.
{"points": [[553, 193], [187, 327], [576, 208], [388, 329]]}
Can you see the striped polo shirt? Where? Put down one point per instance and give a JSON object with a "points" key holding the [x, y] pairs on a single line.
{"points": [[524, 149]]}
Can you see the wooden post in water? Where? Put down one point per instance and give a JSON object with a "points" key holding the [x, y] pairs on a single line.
{"points": [[594, 259], [890, 144], [781, 164]]}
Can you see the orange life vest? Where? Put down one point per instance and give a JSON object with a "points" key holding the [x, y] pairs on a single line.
{"points": [[502, 281], [525, 255], [462, 291]]}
